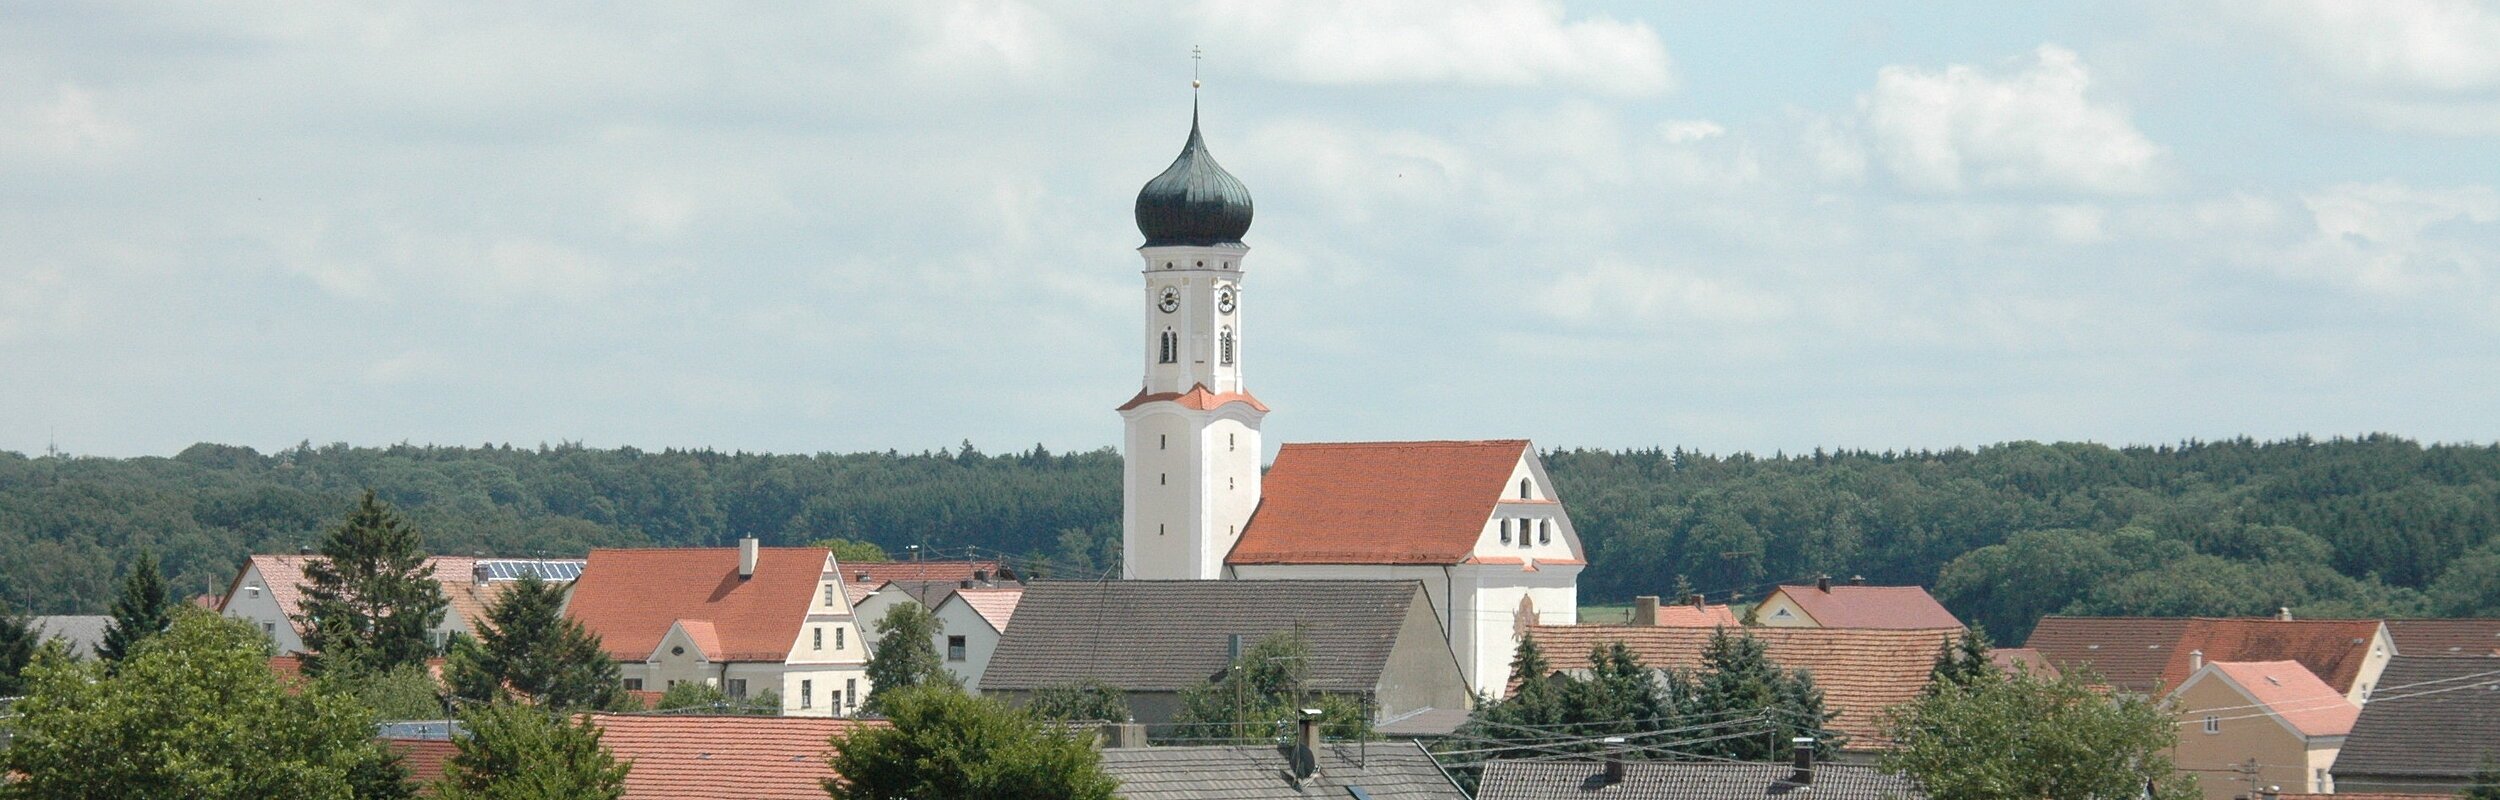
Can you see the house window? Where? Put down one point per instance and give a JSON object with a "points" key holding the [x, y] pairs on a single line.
{"points": [[1506, 531], [840, 641], [828, 594], [820, 637], [807, 694], [954, 648], [1523, 488], [834, 702], [1226, 341], [2321, 783], [737, 688], [1545, 532], [2213, 724], [1171, 352], [270, 628], [850, 689], [633, 684]]}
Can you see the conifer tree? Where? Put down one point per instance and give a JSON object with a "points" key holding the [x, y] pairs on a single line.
{"points": [[140, 612], [370, 601], [518, 752], [1739, 689], [1960, 662], [527, 650], [906, 654], [18, 638]]}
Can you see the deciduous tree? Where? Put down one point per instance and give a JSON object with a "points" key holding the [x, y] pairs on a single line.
{"points": [[1263, 692], [906, 654], [2000, 735], [944, 743], [1087, 700], [520, 752]]}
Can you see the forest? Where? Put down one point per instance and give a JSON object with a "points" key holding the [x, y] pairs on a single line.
{"points": [[2374, 526]]}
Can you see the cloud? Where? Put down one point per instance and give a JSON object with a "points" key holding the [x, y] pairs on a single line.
{"points": [[69, 125], [2384, 238], [1619, 291], [1505, 43], [2032, 126], [2409, 45]]}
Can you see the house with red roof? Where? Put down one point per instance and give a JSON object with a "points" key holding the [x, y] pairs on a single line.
{"points": [[701, 757], [269, 591], [2245, 726], [1853, 605], [1478, 523], [2153, 655], [745, 619]]}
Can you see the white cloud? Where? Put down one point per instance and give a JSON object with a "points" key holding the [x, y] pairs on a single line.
{"points": [[71, 125], [2421, 45], [1515, 43], [2036, 125], [1615, 292], [2381, 238], [1689, 130]]}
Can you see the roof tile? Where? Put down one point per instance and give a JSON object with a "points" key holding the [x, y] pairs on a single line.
{"points": [[2431, 717], [1897, 607], [1862, 672], [1146, 635], [631, 597], [1377, 502], [707, 757]]}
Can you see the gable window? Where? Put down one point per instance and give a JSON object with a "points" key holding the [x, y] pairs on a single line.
{"points": [[1226, 341], [807, 694], [2213, 724], [1523, 488], [1506, 531], [1545, 532], [954, 648], [838, 639], [1163, 441], [633, 684], [828, 594], [737, 688], [820, 637], [1171, 352], [850, 689]]}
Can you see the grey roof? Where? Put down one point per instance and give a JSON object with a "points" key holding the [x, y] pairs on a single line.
{"points": [[1423, 722], [1169, 635], [1383, 770], [2429, 716], [1194, 202], [1578, 779], [82, 632]]}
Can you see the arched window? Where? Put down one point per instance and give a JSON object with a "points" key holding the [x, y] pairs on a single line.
{"points": [[1523, 488], [1171, 348], [1545, 532], [1224, 341], [1506, 531]]}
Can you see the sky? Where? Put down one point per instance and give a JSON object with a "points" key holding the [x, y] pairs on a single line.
{"points": [[809, 227]]}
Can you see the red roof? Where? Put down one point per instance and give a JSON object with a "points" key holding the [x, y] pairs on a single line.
{"points": [[1686, 615], [631, 597], [427, 760], [1862, 672], [2331, 649], [995, 604], [2022, 658], [704, 757], [2293, 693], [1849, 606], [1377, 502], [1198, 398]]}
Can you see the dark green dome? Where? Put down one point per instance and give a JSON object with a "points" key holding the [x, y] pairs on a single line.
{"points": [[1194, 202]]}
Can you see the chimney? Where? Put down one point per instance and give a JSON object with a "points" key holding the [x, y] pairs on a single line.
{"points": [[1645, 610], [1306, 753], [1614, 760], [479, 574], [2271, 792], [1857, 580], [1697, 602], [2196, 660], [1803, 748], [2284, 614], [746, 558], [980, 576], [1823, 583], [967, 583], [1123, 735]]}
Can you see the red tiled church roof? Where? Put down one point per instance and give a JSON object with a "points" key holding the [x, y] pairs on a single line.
{"points": [[631, 597], [702, 757], [1847, 606], [1198, 398], [1377, 502]]}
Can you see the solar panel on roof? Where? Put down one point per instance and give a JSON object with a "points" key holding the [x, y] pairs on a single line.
{"points": [[513, 569]]}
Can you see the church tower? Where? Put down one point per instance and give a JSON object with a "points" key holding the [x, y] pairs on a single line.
{"points": [[1192, 448]]}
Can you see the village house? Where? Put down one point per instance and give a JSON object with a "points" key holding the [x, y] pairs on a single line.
{"points": [[81, 634], [746, 620], [1852, 605], [970, 623], [723, 757], [1379, 641], [268, 591], [2437, 721], [877, 587], [2153, 655], [2248, 725]]}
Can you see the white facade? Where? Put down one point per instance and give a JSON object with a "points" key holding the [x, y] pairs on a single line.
{"points": [[1191, 471], [252, 600], [824, 672], [965, 640]]}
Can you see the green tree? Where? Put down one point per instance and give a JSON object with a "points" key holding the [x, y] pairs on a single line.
{"points": [[140, 612], [1963, 660], [402, 693], [944, 743], [193, 712], [371, 598], [18, 639], [527, 649], [2020, 735], [699, 696], [1082, 701], [522, 752], [2486, 781], [1263, 692], [1532, 716], [906, 654], [1739, 690], [853, 551]]}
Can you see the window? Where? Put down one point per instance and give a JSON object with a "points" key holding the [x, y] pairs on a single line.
{"points": [[633, 684], [839, 640], [834, 702], [2321, 783], [2213, 724], [828, 594], [737, 688], [954, 648], [1171, 353], [1525, 527], [807, 694], [1506, 531], [1232, 441], [270, 628], [850, 689], [820, 637], [1523, 488], [1545, 532], [1225, 341], [1163, 479], [1163, 441]]}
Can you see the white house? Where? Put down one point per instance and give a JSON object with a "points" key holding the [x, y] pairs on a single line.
{"points": [[745, 619], [973, 619], [268, 591]]}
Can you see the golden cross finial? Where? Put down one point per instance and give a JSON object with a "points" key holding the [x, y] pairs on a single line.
{"points": [[1195, 55]]}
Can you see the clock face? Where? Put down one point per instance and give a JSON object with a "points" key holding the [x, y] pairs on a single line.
{"points": [[1224, 300], [1171, 300]]}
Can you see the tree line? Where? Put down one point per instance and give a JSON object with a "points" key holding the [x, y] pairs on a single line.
{"points": [[2371, 526]]}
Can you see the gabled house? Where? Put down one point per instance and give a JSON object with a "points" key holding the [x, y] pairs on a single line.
{"points": [[2274, 717], [1376, 640], [1478, 523], [746, 619], [2153, 655], [268, 591], [1853, 605], [2435, 721], [875, 587], [1588, 779], [971, 622], [1862, 671], [700, 757]]}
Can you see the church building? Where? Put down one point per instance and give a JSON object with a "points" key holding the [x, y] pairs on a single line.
{"points": [[1478, 523]]}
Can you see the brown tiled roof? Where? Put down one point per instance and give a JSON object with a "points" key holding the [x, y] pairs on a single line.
{"points": [[702, 757], [2291, 692], [1861, 671], [2125, 652], [1198, 398], [2445, 637], [631, 597], [1377, 502], [1682, 615], [2027, 659], [995, 604], [427, 760], [2153, 654], [2431, 717], [1899, 607]]}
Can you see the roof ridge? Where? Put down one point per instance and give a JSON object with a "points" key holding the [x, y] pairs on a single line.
{"points": [[1414, 443]]}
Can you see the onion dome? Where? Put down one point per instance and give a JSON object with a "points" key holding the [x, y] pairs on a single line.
{"points": [[1194, 202]]}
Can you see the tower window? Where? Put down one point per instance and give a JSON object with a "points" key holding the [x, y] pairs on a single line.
{"points": [[1225, 339], [1202, 265], [1159, 529], [1163, 441], [1163, 479], [1228, 483], [1171, 348], [1232, 441]]}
